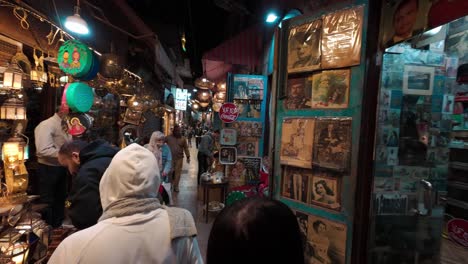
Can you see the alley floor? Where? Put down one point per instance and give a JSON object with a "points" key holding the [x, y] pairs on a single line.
{"points": [[188, 198]]}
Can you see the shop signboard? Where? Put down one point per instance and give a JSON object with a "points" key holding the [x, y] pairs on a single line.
{"points": [[181, 99], [228, 112]]}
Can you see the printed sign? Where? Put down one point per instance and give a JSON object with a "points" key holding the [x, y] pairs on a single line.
{"points": [[228, 112], [228, 136]]}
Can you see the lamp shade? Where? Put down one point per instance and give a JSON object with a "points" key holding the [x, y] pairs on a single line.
{"points": [[13, 77], [13, 109], [77, 24]]}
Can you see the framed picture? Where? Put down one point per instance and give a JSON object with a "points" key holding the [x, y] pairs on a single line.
{"points": [[341, 38], [330, 89], [303, 221], [132, 117], [332, 143], [251, 170], [298, 95], [296, 183], [227, 155], [418, 80], [248, 108], [325, 190], [247, 148], [326, 240], [228, 136], [296, 144], [304, 51], [240, 90], [248, 129]]}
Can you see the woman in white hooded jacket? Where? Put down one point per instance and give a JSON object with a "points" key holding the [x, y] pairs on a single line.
{"points": [[134, 227]]}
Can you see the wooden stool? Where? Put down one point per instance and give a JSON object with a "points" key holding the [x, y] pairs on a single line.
{"points": [[207, 186]]}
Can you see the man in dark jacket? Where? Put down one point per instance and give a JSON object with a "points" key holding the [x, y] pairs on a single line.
{"points": [[87, 163]]}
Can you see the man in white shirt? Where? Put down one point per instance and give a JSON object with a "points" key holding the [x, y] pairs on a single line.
{"points": [[49, 137]]}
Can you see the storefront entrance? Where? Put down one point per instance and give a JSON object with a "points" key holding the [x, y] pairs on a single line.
{"points": [[421, 150]]}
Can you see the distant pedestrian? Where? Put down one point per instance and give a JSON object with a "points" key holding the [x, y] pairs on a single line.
{"points": [[178, 145]]}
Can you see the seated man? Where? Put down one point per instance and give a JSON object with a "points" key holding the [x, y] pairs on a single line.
{"points": [[87, 163]]}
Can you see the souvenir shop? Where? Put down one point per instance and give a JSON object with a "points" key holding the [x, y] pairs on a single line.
{"points": [[368, 133], [43, 68]]}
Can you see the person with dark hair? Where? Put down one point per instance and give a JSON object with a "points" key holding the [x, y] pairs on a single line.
{"points": [[134, 226], [404, 19], [49, 136], [324, 192], [86, 163], [255, 230], [320, 243], [178, 145], [206, 152]]}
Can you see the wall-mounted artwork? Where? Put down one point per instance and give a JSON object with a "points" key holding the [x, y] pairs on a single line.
{"points": [[332, 143], [341, 38], [228, 155], [296, 142], [330, 89], [304, 47], [247, 148], [296, 183], [325, 190], [298, 94], [248, 129], [418, 80], [228, 136]]}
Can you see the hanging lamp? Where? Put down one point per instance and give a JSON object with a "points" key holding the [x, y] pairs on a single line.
{"points": [[75, 23]]}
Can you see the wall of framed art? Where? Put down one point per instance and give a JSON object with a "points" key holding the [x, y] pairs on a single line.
{"points": [[248, 93], [318, 111]]}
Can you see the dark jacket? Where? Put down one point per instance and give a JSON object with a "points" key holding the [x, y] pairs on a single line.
{"points": [[85, 208]]}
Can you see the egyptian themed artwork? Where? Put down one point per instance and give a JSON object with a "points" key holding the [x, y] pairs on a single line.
{"points": [[248, 129], [298, 94], [297, 141], [341, 38], [330, 89], [324, 241], [332, 143], [75, 127], [304, 47]]}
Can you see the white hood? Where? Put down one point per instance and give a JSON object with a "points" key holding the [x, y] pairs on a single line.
{"points": [[133, 172]]}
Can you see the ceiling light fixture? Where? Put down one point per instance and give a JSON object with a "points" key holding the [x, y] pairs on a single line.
{"points": [[271, 18], [75, 23]]}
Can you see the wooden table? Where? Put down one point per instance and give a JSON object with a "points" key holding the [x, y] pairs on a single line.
{"points": [[209, 185]]}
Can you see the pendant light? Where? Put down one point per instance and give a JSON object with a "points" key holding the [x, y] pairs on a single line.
{"points": [[75, 23]]}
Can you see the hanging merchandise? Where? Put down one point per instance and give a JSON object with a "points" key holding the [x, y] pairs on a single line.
{"points": [[75, 58], [96, 65], [80, 97]]}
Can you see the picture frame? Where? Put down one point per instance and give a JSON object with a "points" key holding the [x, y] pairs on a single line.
{"points": [[248, 128], [252, 169], [227, 155], [228, 137], [418, 80], [325, 240], [330, 89], [304, 52], [295, 184], [296, 144], [332, 143], [325, 189]]}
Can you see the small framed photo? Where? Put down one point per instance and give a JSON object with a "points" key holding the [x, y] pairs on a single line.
{"points": [[332, 143], [325, 190], [228, 136], [418, 80], [297, 142], [298, 95], [227, 155], [296, 184], [247, 148]]}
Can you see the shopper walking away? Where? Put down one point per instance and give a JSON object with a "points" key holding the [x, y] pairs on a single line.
{"points": [[162, 152], [49, 136], [178, 145], [134, 226], [86, 162], [206, 152]]}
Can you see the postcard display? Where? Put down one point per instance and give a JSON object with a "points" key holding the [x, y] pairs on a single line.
{"points": [[242, 140], [317, 131]]}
